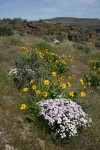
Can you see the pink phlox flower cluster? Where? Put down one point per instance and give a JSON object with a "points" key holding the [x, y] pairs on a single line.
{"points": [[68, 115]]}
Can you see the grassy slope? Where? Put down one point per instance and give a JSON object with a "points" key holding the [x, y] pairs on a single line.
{"points": [[15, 131]]}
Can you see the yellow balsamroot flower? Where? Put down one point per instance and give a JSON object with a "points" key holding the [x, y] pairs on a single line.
{"points": [[69, 55], [38, 92], [46, 82], [94, 67], [63, 62], [36, 49], [54, 74], [70, 78], [68, 84], [71, 93], [83, 94], [34, 87], [45, 94], [84, 87], [63, 85], [60, 79], [56, 61], [23, 106], [25, 89], [32, 81], [24, 49], [71, 60], [81, 81], [89, 83]]}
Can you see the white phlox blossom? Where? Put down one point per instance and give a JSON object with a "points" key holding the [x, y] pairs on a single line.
{"points": [[67, 115]]}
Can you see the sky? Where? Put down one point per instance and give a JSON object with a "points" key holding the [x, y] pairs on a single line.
{"points": [[46, 9]]}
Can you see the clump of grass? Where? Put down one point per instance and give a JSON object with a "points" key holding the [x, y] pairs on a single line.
{"points": [[42, 45], [13, 40]]}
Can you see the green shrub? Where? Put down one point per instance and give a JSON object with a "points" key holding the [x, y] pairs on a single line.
{"points": [[37, 64], [95, 65], [22, 34], [29, 66], [94, 79], [5, 31], [97, 45], [82, 47], [98, 38]]}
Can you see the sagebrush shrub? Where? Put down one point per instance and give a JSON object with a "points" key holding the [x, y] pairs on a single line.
{"points": [[5, 30]]}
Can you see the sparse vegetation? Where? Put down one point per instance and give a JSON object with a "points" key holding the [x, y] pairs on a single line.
{"points": [[12, 40], [42, 71], [82, 47]]}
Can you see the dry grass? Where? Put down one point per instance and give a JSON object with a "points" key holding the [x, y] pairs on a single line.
{"points": [[16, 131]]}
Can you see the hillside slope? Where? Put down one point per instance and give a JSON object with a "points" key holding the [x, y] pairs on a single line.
{"points": [[87, 23], [44, 29]]}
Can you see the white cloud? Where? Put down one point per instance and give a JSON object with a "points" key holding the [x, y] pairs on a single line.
{"points": [[79, 14], [50, 10]]}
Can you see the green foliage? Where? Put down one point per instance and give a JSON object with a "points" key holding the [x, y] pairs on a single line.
{"points": [[29, 66], [82, 47], [93, 78], [5, 31], [95, 64], [22, 34], [43, 46], [97, 44], [40, 20], [1, 57], [12, 40], [98, 38]]}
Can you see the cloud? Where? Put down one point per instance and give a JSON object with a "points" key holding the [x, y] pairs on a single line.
{"points": [[51, 10], [79, 14]]}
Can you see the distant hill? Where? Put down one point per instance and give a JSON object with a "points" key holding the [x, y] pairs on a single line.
{"points": [[72, 29], [87, 23]]}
